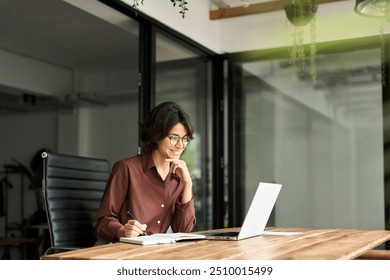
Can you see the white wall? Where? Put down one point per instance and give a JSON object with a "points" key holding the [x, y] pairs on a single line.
{"points": [[116, 127], [116, 124], [30, 75], [80, 125]]}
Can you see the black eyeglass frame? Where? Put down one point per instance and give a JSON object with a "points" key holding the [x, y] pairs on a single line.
{"points": [[174, 139]]}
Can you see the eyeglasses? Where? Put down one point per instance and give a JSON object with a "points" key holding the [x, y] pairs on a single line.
{"points": [[175, 139]]}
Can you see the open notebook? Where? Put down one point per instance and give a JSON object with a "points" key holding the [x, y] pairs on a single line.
{"points": [[161, 238]]}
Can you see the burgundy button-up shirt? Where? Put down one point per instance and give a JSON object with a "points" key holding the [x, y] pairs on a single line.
{"points": [[134, 185]]}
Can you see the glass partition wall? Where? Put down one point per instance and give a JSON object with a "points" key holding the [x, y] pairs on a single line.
{"points": [[69, 85], [182, 75], [324, 143]]}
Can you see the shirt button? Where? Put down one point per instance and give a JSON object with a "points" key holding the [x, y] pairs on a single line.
{"points": [[162, 205], [158, 221]]}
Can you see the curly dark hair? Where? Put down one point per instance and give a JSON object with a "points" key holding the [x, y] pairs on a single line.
{"points": [[160, 121]]}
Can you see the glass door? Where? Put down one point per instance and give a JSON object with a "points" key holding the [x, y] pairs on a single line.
{"points": [[323, 143], [183, 76]]}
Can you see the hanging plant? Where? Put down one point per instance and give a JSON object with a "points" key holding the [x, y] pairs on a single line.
{"points": [[377, 9], [383, 50], [182, 4], [300, 13]]}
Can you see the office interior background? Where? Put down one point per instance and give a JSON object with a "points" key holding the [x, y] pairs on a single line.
{"points": [[77, 76]]}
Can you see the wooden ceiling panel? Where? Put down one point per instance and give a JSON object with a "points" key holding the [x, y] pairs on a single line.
{"points": [[235, 8]]}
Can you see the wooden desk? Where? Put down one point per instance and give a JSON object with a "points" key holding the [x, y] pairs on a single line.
{"points": [[312, 244]]}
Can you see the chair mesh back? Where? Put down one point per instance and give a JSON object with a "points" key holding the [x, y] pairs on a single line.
{"points": [[73, 187]]}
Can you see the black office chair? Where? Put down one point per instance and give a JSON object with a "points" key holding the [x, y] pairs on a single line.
{"points": [[72, 189]]}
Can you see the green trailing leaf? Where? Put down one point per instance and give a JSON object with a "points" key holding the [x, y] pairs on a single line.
{"points": [[136, 3], [299, 14], [182, 4]]}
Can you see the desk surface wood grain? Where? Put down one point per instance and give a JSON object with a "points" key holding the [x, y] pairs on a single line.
{"points": [[311, 244]]}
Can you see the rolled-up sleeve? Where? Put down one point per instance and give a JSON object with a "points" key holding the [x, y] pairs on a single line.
{"points": [[106, 222], [184, 219]]}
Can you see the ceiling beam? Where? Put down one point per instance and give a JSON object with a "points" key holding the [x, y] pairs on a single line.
{"points": [[258, 8]]}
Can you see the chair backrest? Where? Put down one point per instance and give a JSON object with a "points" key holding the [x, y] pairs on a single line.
{"points": [[72, 188]]}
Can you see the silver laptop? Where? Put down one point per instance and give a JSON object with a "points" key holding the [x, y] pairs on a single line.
{"points": [[257, 216]]}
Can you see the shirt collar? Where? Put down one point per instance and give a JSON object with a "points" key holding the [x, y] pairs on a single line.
{"points": [[148, 162]]}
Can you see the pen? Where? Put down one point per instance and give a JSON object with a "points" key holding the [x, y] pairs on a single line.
{"points": [[131, 216]]}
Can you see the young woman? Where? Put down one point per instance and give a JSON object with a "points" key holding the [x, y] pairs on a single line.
{"points": [[150, 192]]}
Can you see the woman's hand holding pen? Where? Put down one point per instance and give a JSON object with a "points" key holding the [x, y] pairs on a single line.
{"points": [[133, 227]]}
